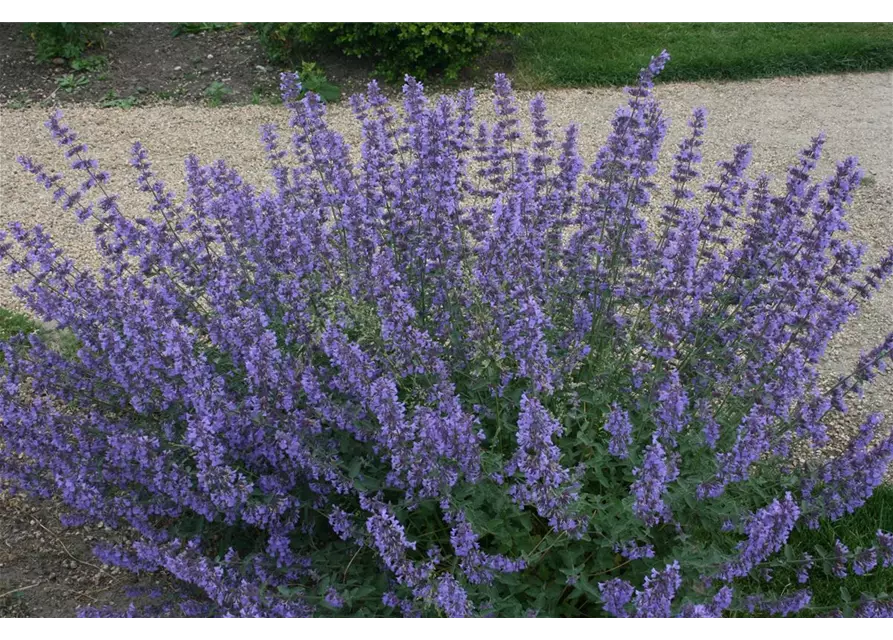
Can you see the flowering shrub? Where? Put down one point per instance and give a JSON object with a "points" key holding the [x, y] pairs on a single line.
{"points": [[66, 40], [396, 48], [459, 375]]}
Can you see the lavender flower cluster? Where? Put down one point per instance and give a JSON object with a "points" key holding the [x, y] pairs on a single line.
{"points": [[455, 371]]}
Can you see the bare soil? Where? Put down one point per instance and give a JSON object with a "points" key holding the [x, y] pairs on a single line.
{"points": [[47, 570], [148, 64]]}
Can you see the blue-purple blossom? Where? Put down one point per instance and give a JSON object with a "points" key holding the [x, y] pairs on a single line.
{"points": [[805, 565], [621, 429], [713, 609], [479, 567], [767, 531], [841, 560], [848, 480], [616, 594], [672, 402], [333, 599], [885, 548], [783, 606], [658, 591], [876, 609], [451, 598], [341, 523], [632, 550], [864, 561], [652, 479], [546, 485]]}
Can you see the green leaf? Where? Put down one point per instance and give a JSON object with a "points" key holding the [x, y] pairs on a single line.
{"points": [[584, 586], [329, 92], [362, 591], [789, 554]]}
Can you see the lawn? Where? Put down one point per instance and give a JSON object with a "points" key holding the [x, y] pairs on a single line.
{"points": [[587, 54], [12, 323]]}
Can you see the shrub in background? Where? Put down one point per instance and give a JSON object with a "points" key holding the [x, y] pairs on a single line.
{"points": [[460, 375], [396, 48], [66, 40], [314, 80], [201, 27]]}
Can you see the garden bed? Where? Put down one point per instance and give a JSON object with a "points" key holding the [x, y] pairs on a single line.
{"points": [[147, 64]]}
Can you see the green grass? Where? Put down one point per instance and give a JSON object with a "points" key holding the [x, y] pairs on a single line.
{"points": [[856, 531], [13, 323], [586, 54]]}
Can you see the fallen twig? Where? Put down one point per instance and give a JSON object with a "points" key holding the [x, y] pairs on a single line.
{"points": [[62, 544], [9, 593]]}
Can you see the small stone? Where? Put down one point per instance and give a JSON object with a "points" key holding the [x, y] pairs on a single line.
{"points": [[177, 68], [261, 68], [210, 56], [58, 60]]}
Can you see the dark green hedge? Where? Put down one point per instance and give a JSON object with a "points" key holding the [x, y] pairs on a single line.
{"points": [[397, 48]]}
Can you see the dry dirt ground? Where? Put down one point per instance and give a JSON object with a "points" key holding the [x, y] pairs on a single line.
{"points": [[778, 116], [145, 63]]}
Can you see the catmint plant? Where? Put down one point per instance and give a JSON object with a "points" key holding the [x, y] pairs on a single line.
{"points": [[459, 370]]}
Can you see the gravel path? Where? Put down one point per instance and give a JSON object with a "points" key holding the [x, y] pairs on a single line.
{"points": [[779, 116]]}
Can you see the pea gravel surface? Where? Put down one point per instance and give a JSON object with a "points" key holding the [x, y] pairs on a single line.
{"points": [[779, 116]]}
